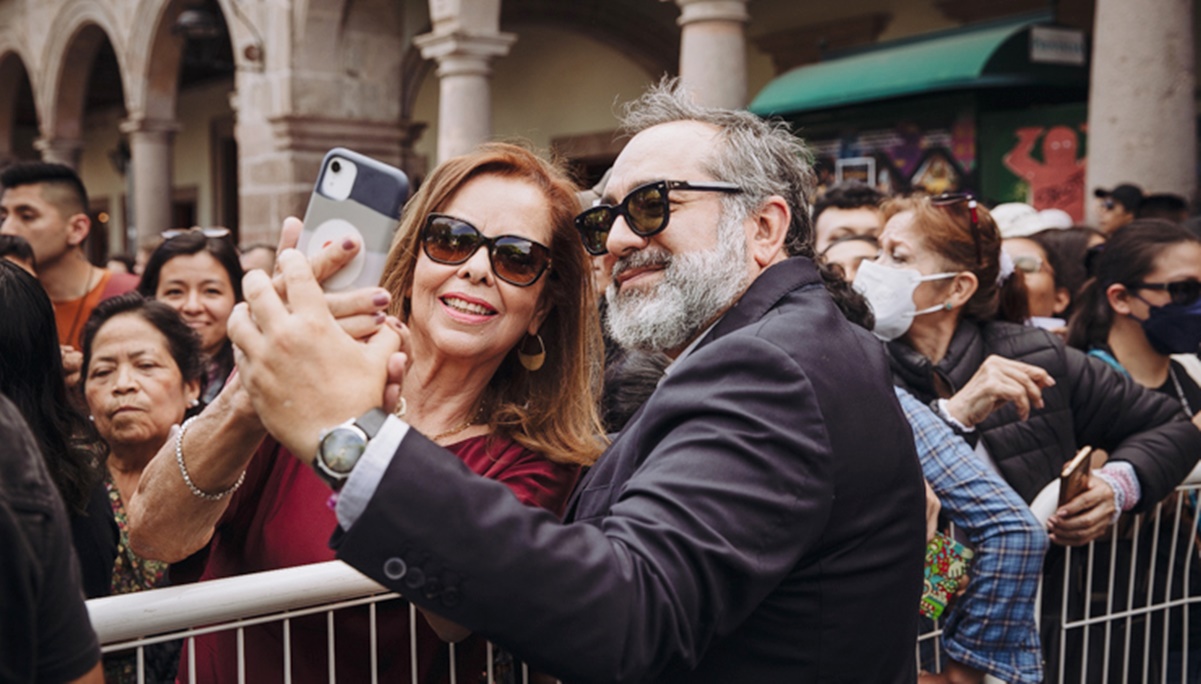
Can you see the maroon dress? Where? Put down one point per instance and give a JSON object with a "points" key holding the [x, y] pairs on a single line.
{"points": [[280, 518]]}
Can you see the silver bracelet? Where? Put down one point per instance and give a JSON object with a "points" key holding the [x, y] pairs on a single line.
{"points": [[187, 479]]}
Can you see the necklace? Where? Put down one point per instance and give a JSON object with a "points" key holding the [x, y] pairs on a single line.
{"points": [[402, 407], [453, 431], [79, 310], [1188, 410]]}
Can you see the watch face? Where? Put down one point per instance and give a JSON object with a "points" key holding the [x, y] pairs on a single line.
{"points": [[341, 449]]}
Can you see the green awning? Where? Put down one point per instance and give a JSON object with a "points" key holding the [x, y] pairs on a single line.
{"points": [[978, 57]]}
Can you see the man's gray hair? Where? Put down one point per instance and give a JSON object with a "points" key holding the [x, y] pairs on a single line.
{"points": [[762, 156]]}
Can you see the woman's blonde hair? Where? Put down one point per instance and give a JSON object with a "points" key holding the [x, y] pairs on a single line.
{"points": [[552, 411]]}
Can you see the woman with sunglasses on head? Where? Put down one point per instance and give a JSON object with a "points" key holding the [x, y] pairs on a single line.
{"points": [[197, 272], [950, 312], [487, 273]]}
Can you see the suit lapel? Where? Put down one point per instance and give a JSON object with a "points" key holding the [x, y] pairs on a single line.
{"points": [[765, 293]]}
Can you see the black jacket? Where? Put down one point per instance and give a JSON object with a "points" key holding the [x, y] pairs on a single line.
{"points": [[748, 525], [1090, 404]]}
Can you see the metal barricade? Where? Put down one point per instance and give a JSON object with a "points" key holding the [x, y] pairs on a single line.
{"points": [[1122, 609], [134, 622], [1125, 608]]}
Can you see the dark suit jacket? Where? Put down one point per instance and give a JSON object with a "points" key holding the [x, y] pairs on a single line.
{"points": [[759, 520]]}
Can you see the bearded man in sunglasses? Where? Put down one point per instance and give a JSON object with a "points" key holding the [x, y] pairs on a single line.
{"points": [[748, 525]]}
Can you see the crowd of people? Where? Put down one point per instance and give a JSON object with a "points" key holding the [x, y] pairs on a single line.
{"points": [[623, 438]]}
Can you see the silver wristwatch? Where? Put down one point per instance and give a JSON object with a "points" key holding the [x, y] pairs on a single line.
{"points": [[342, 446]]}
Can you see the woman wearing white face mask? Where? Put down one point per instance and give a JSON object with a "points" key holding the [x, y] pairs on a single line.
{"points": [[1015, 391]]}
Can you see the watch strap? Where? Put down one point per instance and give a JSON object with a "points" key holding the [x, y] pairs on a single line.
{"points": [[371, 422]]}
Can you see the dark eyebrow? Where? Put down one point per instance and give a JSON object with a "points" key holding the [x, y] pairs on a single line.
{"points": [[607, 198]]}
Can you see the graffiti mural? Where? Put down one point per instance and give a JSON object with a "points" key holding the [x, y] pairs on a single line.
{"points": [[909, 156], [1037, 156]]}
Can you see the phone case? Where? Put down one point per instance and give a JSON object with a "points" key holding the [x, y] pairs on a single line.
{"points": [[946, 562], [1074, 478], [370, 211]]}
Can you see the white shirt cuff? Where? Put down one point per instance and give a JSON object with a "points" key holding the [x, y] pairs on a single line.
{"points": [[951, 420], [369, 471]]}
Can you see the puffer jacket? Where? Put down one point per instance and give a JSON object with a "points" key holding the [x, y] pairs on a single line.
{"points": [[1090, 404]]}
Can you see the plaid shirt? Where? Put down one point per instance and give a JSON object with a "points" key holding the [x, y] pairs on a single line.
{"points": [[991, 627]]}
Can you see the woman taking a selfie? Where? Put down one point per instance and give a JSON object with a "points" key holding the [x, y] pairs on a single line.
{"points": [[488, 274]]}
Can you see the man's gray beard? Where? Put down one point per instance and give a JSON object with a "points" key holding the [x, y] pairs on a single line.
{"points": [[694, 289]]}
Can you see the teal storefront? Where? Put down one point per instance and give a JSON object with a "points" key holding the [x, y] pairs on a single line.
{"points": [[997, 109]]}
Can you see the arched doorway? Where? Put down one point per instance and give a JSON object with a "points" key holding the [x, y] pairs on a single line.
{"points": [[18, 112]]}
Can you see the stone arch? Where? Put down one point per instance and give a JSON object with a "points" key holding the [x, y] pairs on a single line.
{"points": [[157, 52], [69, 57], [15, 91]]}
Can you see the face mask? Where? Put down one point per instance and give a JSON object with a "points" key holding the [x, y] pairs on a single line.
{"points": [[1175, 328], [890, 292]]}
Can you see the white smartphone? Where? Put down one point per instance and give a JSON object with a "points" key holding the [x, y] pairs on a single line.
{"points": [[360, 197]]}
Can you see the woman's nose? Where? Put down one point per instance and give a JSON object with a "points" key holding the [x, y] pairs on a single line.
{"points": [[478, 267]]}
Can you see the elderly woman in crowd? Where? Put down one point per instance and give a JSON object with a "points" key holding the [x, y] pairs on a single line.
{"points": [[197, 273], [490, 278], [142, 371], [1014, 391], [31, 373]]}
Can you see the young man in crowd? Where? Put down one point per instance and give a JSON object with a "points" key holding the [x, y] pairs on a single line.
{"points": [[1119, 206], [47, 205], [845, 210], [747, 525]]}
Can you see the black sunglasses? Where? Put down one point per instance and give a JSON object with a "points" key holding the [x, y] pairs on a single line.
{"points": [[514, 259], [949, 199], [1182, 292], [646, 210]]}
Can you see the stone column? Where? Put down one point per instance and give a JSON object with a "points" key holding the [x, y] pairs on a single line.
{"points": [[713, 51], [1141, 111], [150, 163], [60, 150], [465, 91]]}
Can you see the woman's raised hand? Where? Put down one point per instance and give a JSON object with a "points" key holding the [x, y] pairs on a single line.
{"points": [[361, 312], [997, 382]]}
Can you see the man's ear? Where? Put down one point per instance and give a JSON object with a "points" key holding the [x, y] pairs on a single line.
{"points": [[1119, 298], [769, 231], [78, 228]]}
